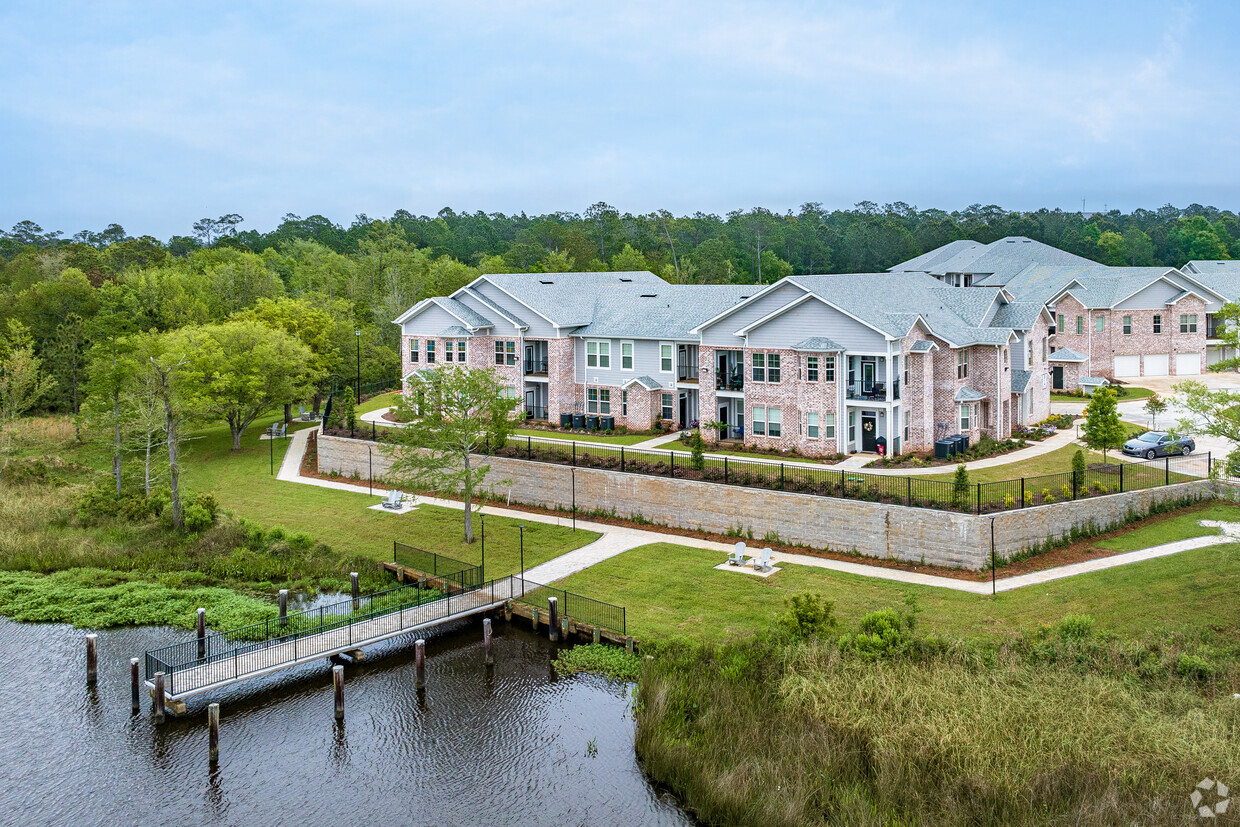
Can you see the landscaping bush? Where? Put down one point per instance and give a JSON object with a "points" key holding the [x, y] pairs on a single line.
{"points": [[807, 615]]}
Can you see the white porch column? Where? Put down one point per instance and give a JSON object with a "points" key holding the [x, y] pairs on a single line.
{"points": [[891, 386]]}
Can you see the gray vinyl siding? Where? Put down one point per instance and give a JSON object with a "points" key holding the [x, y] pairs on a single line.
{"points": [[990, 314], [429, 323], [813, 318], [1153, 297], [1018, 351], [539, 327], [645, 363], [720, 333], [500, 325]]}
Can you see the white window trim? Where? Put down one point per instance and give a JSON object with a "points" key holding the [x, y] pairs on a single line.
{"points": [[632, 356], [754, 420], [812, 423], [823, 363], [671, 359], [828, 426], [770, 409], [599, 355], [962, 416]]}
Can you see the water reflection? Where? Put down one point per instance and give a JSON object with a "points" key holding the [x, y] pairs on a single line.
{"points": [[481, 745]]}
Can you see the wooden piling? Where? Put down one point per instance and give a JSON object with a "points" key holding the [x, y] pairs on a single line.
{"points": [[507, 611], [202, 633], [338, 686], [422, 582], [419, 661], [534, 619], [135, 696], [357, 592], [553, 622], [213, 734], [92, 659], [598, 635], [159, 697], [487, 646], [564, 629], [283, 606], [628, 644]]}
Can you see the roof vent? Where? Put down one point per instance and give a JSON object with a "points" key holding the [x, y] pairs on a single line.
{"points": [[649, 295], [623, 279], [744, 297], [545, 281]]}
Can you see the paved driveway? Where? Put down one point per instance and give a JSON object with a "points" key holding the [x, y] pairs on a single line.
{"points": [[1134, 411]]}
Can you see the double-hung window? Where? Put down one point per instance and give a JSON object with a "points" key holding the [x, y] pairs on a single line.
{"points": [[413, 350], [906, 426], [460, 351], [624, 403], [604, 401], [667, 406], [828, 426], [666, 360], [1188, 322], [598, 354], [962, 364], [759, 368], [772, 421], [592, 400], [828, 368], [626, 356], [430, 350], [965, 410], [772, 366], [811, 425], [1158, 323], [1099, 322], [505, 353], [811, 368], [852, 426], [1080, 325], [1127, 325], [448, 352], [759, 420], [1059, 326]]}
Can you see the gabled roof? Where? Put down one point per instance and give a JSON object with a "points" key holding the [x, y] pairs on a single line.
{"points": [[817, 344], [666, 311], [566, 299], [923, 346], [1066, 354], [967, 394], [998, 260], [467, 316], [1094, 380], [453, 332], [646, 382], [492, 307], [1095, 286], [1018, 315], [1221, 277], [1020, 380]]}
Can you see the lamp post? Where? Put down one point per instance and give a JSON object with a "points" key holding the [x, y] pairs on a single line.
{"points": [[482, 574], [522, 529], [357, 334]]}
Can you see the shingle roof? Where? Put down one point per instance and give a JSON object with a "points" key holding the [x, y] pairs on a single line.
{"points": [[1094, 285], [817, 344], [500, 313], [1020, 380], [893, 302], [663, 311], [1094, 380], [1066, 354], [453, 332], [926, 262], [1017, 315], [922, 346], [646, 382], [1003, 258], [466, 314], [967, 394], [568, 299]]}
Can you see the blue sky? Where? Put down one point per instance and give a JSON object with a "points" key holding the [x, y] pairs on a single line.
{"points": [[154, 115]]}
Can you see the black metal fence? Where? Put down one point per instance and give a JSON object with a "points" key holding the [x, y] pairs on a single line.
{"points": [[233, 644], [912, 490], [465, 575], [578, 607]]}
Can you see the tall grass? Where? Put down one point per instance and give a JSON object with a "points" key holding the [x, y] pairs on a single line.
{"points": [[1053, 729]]}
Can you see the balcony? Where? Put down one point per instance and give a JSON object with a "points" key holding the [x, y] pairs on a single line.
{"points": [[733, 381], [535, 367], [535, 412], [873, 392], [687, 373]]}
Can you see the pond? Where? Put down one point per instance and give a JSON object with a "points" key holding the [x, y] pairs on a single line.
{"points": [[516, 743]]}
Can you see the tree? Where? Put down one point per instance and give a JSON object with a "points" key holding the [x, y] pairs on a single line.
{"points": [[628, 260], [1078, 470], [1210, 412], [1103, 429], [239, 369], [22, 383], [312, 326], [163, 371], [960, 487], [463, 412], [1154, 406]]}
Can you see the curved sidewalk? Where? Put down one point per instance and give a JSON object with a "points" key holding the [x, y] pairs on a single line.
{"points": [[618, 539]]}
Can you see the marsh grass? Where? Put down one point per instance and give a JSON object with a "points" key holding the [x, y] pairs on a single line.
{"points": [[1061, 726], [601, 659]]}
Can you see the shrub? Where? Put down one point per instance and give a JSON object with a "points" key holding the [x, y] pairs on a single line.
{"points": [[197, 518], [697, 446], [807, 615], [208, 502], [1028, 498], [1194, 668], [1008, 501], [1078, 469], [1075, 627], [1066, 491], [960, 489]]}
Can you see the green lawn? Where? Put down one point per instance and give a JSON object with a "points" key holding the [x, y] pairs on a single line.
{"points": [[1133, 393], [669, 590], [571, 436], [1179, 527], [1054, 462], [383, 400]]}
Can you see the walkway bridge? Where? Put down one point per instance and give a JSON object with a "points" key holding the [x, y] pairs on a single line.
{"points": [[221, 659]]}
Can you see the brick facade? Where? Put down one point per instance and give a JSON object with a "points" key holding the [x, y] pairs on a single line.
{"points": [[1102, 348]]}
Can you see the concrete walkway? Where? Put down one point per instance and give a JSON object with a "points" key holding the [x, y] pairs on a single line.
{"points": [[657, 441], [618, 539]]}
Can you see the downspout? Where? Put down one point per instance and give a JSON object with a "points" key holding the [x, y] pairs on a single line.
{"points": [[998, 391]]}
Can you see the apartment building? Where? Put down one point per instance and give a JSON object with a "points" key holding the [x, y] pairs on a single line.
{"points": [[1223, 279]]}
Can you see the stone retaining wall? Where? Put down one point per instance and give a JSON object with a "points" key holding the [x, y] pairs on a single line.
{"points": [[916, 535]]}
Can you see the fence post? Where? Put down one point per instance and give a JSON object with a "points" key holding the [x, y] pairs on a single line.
{"points": [[1074, 486], [843, 490], [1209, 465], [979, 498], [621, 459], [1121, 478], [1167, 471], [1022, 492], [781, 476], [529, 448], [725, 470], [672, 456], [574, 453], [908, 498]]}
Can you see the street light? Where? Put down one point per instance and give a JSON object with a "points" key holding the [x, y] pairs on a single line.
{"points": [[358, 336]]}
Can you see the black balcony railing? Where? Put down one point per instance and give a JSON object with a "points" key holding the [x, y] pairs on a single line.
{"points": [[535, 367], [876, 392], [535, 412], [733, 380]]}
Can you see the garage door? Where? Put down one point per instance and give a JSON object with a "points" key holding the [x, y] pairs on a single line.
{"points": [[1156, 364], [1187, 364], [1127, 366]]}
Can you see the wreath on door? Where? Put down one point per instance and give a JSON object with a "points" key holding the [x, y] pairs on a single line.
{"points": [[868, 425]]}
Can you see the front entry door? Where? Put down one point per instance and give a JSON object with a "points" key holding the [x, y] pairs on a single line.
{"points": [[869, 431], [529, 404], [1057, 378], [867, 377], [723, 421]]}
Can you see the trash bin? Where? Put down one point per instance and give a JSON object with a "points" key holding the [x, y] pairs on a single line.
{"points": [[607, 423], [944, 448], [579, 422], [566, 421], [591, 423]]}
